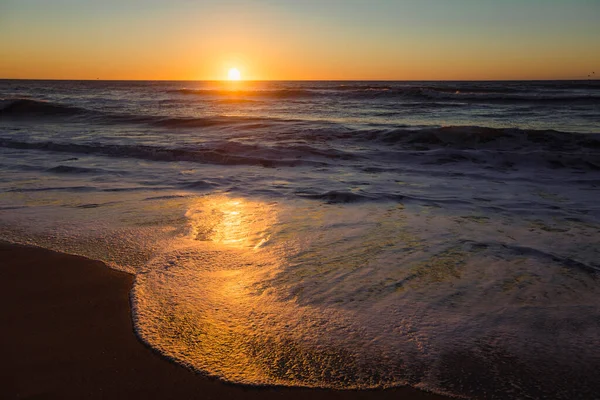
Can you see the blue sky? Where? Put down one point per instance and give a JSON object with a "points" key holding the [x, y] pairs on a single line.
{"points": [[308, 39]]}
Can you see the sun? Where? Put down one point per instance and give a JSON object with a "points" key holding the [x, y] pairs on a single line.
{"points": [[234, 74]]}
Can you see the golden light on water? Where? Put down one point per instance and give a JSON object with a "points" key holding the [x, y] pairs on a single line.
{"points": [[239, 223]]}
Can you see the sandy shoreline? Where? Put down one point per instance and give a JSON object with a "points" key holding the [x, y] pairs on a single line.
{"points": [[67, 333]]}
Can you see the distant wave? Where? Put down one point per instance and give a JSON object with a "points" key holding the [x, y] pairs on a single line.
{"points": [[269, 93], [461, 93], [30, 107], [457, 137], [478, 137], [466, 86], [70, 169], [501, 148], [190, 122], [40, 109], [494, 97], [237, 101], [473, 95], [223, 154], [415, 88], [451, 136]]}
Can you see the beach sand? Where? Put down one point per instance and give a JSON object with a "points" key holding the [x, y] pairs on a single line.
{"points": [[67, 333]]}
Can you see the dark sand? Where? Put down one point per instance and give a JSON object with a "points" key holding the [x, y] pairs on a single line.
{"points": [[66, 332]]}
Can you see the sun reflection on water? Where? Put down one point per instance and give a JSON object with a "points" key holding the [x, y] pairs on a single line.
{"points": [[232, 222]]}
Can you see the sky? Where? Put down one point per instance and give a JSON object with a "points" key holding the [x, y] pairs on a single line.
{"points": [[300, 39]]}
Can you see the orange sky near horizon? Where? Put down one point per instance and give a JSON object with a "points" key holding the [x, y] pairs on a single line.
{"points": [[269, 40]]}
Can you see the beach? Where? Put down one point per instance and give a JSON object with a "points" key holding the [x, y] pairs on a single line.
{"points": [[67, 334], [259, 199]]}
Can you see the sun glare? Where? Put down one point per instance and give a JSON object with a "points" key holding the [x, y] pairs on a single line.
{"points": [[234, 74]]}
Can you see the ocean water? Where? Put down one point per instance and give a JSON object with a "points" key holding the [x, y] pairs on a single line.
{"points": [[444, 235]]}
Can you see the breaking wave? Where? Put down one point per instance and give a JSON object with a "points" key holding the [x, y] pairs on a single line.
{"points": [[224, 154], [480, 137], [69, 169], [504, 148], [39, 108], [30, 108]]}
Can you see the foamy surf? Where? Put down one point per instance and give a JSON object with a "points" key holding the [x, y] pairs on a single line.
{"points": [[353, 296]]}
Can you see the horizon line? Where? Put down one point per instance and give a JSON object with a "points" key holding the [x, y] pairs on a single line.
{"points": [[298, 80]]}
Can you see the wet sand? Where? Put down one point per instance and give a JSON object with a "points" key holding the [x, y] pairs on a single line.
{"points": [[67, 333]]}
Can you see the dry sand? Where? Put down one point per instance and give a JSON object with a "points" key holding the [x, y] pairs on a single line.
{"points": [[67, 333]]}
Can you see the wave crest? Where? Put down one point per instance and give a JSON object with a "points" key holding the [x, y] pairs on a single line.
{"points": [[30, 107], [223, 154], [480, 137], [268, 93], [495, 94]]}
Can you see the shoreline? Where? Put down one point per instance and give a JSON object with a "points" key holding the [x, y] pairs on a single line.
{"points": [[68, 333]]}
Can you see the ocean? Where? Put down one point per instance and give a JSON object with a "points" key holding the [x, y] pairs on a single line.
{"points": [[443, 235]]}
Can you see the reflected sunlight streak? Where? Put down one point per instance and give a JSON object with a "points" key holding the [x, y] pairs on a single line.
{"points": [[239, 223]]}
